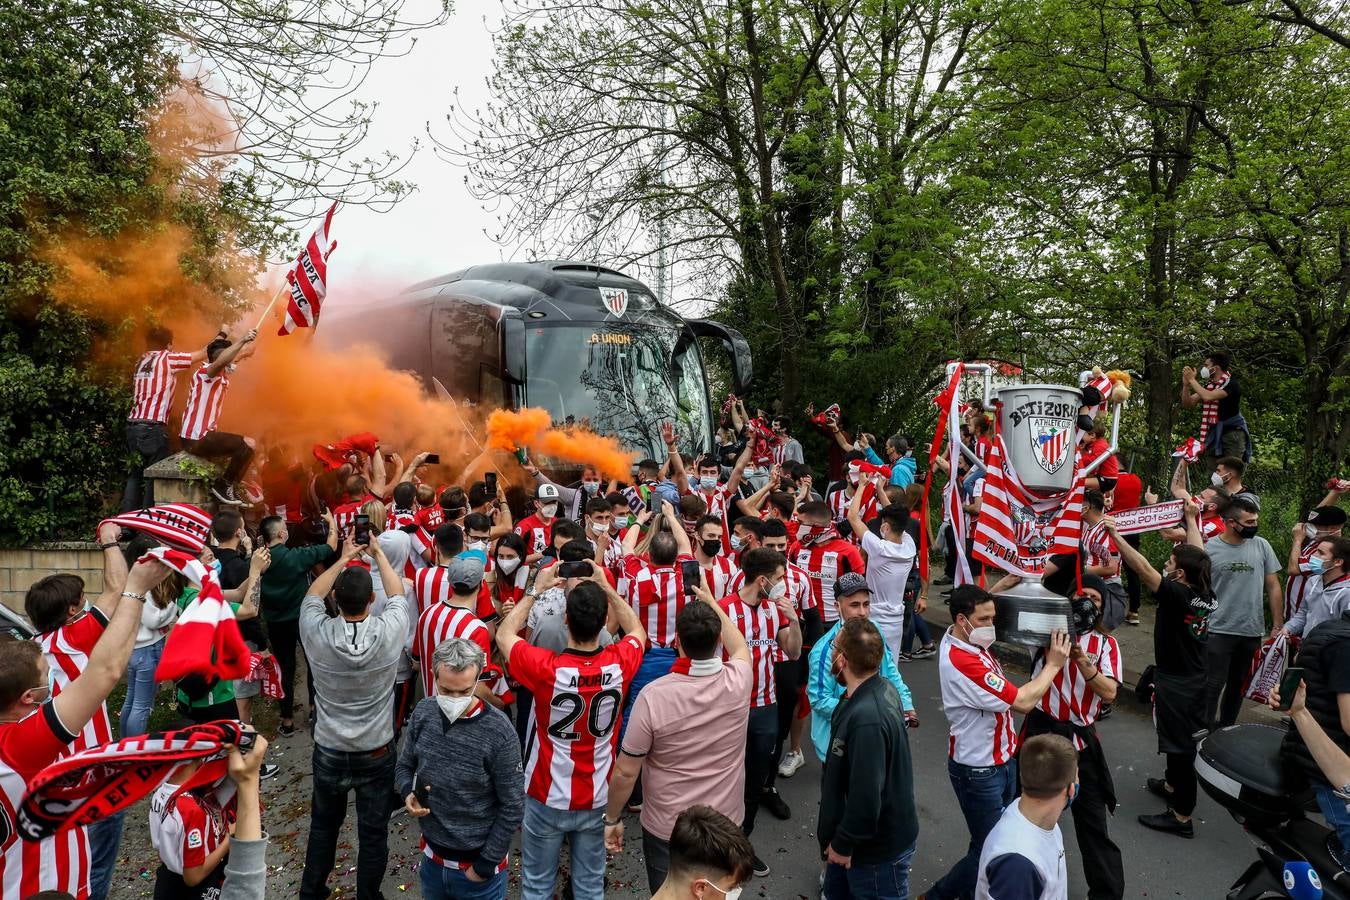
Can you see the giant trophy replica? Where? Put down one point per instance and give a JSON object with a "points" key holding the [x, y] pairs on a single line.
{"points": [[1033, 491]]}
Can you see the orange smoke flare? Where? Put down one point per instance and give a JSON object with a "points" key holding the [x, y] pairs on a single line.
{"points": [[531, 428]]}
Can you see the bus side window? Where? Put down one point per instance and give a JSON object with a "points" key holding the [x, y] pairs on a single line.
{"points": [[490, 388]]}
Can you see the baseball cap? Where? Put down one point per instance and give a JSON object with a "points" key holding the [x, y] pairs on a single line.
{"points": [[1327, 517], [850, 583], [548, 492], [465, 573]]}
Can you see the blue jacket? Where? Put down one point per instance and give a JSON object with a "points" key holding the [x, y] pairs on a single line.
{"points": [[824, 692], [902, 470]]}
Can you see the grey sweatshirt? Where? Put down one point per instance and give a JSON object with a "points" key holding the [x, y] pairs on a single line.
{"points": [[246, 871], [352, 666], [477, 797]]}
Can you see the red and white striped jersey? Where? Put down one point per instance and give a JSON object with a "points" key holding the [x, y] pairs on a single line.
{"points": [[798, 591], [432, 585], [345, 513], [977, 700], [429, 517], [839, 501], [578, 704], [1069, 698], [400, 518], [67, 650], [205, 398], [438, 623], [1296, 588], [760, 625], [1100, 550], [720, 575], [153, 384], [187, 832], [823, 564], [656, 594], [57, 863], [537, 533]]}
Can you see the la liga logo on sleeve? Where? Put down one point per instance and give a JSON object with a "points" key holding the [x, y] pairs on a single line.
{"points": [[994, 682]]}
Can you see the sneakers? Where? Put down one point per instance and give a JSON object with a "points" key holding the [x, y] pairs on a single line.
{"points": [[904, 657], [791, 762], [268, 770], [927, 651], [761, 867], [225, 494], [1337, 852], [1168, 823], [284, 730], [775, 804], [1132, 618], [942, 579], [1104, 710]]}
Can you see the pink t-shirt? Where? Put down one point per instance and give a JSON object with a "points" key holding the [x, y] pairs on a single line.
{"points": [[691, 730]]}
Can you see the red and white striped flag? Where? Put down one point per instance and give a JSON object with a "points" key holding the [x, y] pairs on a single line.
{"points": [[206, 640], [951, 497], [1017, 530], [308, 279], [1190, 450]]}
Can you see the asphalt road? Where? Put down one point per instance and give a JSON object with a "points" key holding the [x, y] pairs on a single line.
{"points": [[1155, 865]]}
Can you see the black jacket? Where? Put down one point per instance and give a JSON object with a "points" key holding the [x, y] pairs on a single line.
{"points": [[867, 792]]}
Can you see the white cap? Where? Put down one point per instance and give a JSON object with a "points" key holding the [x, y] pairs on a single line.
{"points": [[548, 492]]}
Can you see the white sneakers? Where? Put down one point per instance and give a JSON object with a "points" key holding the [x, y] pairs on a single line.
{"points": [[792, 761]]}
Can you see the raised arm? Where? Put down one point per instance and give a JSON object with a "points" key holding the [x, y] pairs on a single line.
{"points": [[677, 528], [734, 479], [324, 583], [1149, 577], [1029, 694], [733, 642], [77, 704], [229, 353], [508, 633], [622, 613], [114, 570], [379, 482], [1188, 399], [676, 473], [634, 534], [502, 521], [1178, 486], [1295, 550]]}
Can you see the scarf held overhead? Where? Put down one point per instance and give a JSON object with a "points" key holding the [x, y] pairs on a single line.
{"points": [[206, 641]]}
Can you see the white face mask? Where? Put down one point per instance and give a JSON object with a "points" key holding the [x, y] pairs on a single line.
{"points": [[1204, 373], [453, 707], [730, 894], [591, 487], [548, 510], [508, 566], [736, 542], [983, 636], [599, 528], [707, 483], [477, 545], [778, 591], [1216, 479]]}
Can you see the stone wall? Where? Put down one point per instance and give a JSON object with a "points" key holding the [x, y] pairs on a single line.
{"points": [[20, 568]]}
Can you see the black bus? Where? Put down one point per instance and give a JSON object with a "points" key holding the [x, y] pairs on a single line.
{"points": [[584, 342]]}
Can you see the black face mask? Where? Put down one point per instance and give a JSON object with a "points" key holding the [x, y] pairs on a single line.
{"points": [[711, 548], [1247, 532]]}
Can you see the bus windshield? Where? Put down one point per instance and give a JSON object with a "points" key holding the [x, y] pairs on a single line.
{"points": [[620, 378]]}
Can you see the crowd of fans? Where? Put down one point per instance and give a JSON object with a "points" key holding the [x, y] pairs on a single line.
{"points": [[665, 645]]}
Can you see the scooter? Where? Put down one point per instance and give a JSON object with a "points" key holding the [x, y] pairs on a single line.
{"points": [[1241, 767]]}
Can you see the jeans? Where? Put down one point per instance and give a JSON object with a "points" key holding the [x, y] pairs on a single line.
{"points": [[1228, 659], [787, 679], [878, 881], [982, 793], [150, 442], [141, 691], [541, 839], [336, 775], [443, 883], [760, 739], [1335, 809], [105, 836], [915, 626], [656, 854]]}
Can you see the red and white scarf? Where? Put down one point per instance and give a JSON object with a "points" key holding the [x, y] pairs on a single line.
{"points": [[93, 784], [177, 524], [1017, 530], [1190, 450], [206, 640], [1209, 409]]}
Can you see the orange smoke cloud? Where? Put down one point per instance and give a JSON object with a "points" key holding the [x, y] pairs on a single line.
{"points": [[531, 428]]}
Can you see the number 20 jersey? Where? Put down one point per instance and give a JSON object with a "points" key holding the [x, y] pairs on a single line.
{"points": [[574, 732]]}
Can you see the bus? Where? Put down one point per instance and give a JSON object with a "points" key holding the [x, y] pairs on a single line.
{"points": [[589, 344]]}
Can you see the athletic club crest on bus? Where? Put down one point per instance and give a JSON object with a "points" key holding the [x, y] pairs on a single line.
{"points": [[1050, 439], [615, 300]]}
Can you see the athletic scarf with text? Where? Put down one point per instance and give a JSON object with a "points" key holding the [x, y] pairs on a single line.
{"points": [[93, 784]]}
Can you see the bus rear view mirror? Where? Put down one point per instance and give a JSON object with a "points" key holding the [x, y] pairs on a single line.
{"points": [[742, 368], [513, 349]]}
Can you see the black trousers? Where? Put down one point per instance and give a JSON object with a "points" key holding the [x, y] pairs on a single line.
{"points": [[150, 442], [1132, 585], [1228, 659], [217, 444], [1102, 866], [1181, 778], [285, 640], [787, 676], [759, 741]]}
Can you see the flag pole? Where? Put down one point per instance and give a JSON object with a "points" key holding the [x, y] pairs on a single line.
{"points": [[266, 312]]}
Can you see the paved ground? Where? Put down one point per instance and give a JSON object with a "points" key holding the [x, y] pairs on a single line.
{"points": [[1156, 866]]}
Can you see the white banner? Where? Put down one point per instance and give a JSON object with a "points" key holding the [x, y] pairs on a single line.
{"points": [[1149, 518]]}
